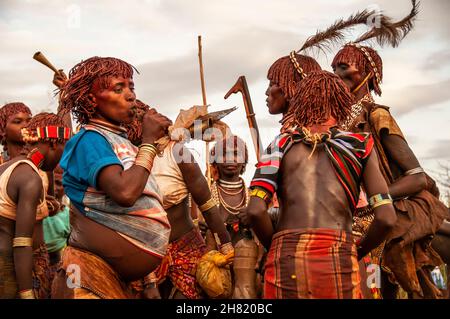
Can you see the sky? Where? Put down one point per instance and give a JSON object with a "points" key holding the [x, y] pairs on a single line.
{"points": [[159, 37]]}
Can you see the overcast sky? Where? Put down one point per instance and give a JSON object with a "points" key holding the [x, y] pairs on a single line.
{"points": [[159, 37]]}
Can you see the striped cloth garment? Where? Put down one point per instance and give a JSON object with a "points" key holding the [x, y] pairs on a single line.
{"points": [[312, 264], [348, 153]]}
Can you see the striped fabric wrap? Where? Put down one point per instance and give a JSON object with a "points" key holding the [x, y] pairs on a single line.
{"points": [[348, 153], [145, 224], [312, 263], [53, 132]]}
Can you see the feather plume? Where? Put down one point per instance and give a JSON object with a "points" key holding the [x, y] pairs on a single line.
{"points": [[388, 32], [324, 40]]}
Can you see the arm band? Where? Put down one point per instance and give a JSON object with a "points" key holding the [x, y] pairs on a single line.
{"points": [[379, 200], [257, 192], [414, 171], [22, 242], [210, 203]]}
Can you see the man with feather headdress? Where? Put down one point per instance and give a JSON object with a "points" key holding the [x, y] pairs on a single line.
{"points": [[312, 252], [407, 253]]}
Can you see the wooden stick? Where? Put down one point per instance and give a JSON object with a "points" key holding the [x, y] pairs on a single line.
{"points": [[202, 81], [202, 76]]}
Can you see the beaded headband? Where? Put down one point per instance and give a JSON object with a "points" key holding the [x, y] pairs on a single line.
{"points": [[42, 133], [369, 58], [297, 65]]}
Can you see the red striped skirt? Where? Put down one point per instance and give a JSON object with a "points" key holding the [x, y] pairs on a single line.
{"points": [[312, 263]]}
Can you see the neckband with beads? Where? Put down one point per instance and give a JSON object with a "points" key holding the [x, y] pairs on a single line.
{"points": [[36, 157]]}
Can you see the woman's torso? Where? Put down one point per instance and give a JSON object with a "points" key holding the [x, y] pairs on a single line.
{"points": [[118, 252]]}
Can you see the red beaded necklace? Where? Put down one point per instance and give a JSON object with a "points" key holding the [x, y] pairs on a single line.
{"points": [[36, 157]]}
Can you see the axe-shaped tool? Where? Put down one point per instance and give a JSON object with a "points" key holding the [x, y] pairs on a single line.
{"points": [[241, 86]]}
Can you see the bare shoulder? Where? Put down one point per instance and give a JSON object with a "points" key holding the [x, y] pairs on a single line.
{"points": [[24, 180], [25, 176]]}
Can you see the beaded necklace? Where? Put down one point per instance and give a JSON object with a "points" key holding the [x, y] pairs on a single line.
{"points": [[356, 111], [216, 190], [36, 157]]}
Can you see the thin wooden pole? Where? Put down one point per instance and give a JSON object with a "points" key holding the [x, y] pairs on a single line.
{"points": [[202, 81]]}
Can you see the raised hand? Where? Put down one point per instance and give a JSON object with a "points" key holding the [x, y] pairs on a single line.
{"points": [[154, 126], [59, 78]]}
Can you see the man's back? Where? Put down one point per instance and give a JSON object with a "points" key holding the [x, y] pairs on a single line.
{"points": [[311, 195]]}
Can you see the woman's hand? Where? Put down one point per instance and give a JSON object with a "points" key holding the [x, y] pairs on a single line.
{"points": [[154, 126]]}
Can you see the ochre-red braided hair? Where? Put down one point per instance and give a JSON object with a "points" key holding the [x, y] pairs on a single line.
{"points": [[285, 75], [74, 93], [9, 110], [350, 54], [45, 119], [321, 95]]}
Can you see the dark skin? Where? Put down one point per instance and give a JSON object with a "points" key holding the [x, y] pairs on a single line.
{"points": [[395, 147], [230, 170], [179, 215], [59, 189], [12, 133], [15, 144], [25, 189], [276, 101], [300, 209], [399, 154], [331, 210], [59, 78], [198, 187], [55, 256], [445, 228], [115, 105]]}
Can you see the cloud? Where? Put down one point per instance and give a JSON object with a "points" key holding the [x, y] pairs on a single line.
{"points": [[410, 98], [31, 86], [174, 82], [437, 60], [439, 150], [159, 37]]}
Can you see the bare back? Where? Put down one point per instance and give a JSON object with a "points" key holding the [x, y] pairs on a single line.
{"points": [[311, 195]]}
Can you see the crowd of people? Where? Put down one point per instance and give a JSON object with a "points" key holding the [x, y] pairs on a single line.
{"points": [[120, 209]]}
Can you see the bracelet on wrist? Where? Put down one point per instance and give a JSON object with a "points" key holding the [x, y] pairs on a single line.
{"points": [[145, 156]]}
